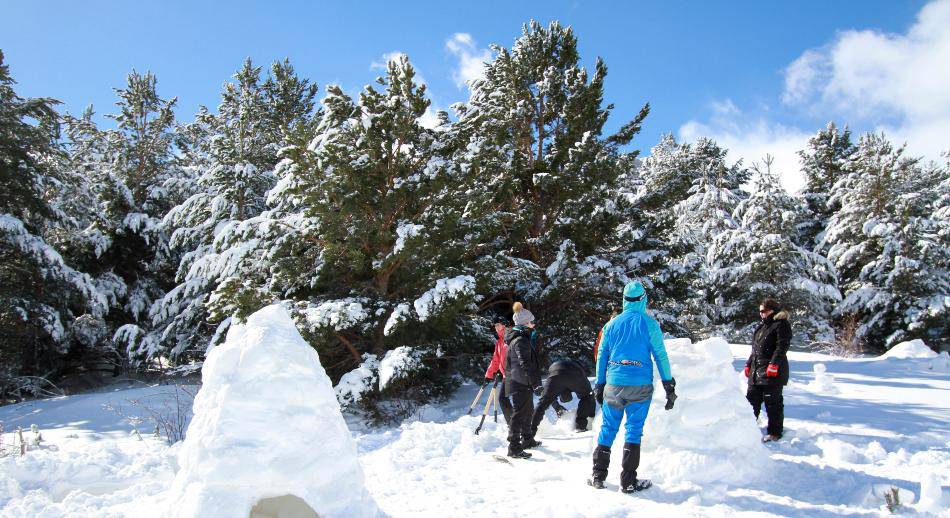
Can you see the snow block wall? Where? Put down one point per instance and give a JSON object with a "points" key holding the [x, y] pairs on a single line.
{"points": [[710, 436], [267, 437]]}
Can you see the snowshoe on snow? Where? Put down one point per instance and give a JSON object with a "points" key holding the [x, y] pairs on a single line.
{"points": [[595, 483], [637, 486], [521, 454]]}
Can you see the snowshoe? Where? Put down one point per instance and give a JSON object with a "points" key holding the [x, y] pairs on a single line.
{"points": [[595, 483], [771, 438], [637, 486], [531, 443]]}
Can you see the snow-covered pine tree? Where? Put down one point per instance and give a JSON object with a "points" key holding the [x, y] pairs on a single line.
{"points": [[823, 163], [129, 170], [540, 185], [367, 251], [40, 294], [655, 251], [885, 244], [714, 193], [760, 259], [232, 154]]}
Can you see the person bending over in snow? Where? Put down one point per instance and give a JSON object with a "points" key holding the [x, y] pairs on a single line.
{"points": [[565, 377], [496, 369], [767, 366], [522, 377], [631, 342]]}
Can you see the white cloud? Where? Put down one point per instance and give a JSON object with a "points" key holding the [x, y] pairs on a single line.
{"points": [[898, 83], [471, 59], [875, 81], [751, 138]]}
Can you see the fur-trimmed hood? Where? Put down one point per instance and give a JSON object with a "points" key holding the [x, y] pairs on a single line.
{"points": [[781, 315]]}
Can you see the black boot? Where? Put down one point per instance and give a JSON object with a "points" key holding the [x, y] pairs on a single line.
{"points": [[516, 451], [630, 463], [530, 442], [601, 462]]}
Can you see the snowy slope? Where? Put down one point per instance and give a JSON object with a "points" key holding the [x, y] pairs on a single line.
{"points": [[854, 429]]}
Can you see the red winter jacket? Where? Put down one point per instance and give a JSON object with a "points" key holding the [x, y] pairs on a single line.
{"points": [[498, 358]]}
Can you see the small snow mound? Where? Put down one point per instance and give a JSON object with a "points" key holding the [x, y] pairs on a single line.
{"points": [[912, 349], [710, 435], [267, 424]]}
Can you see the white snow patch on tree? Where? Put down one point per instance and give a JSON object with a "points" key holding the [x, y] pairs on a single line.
{"points": [[397, 364], [445, 290], [267, 424], [337, 314], [356, 383], [399, 315]]}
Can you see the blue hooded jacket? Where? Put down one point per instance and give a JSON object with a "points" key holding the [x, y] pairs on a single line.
{"points": [[631, 342]]}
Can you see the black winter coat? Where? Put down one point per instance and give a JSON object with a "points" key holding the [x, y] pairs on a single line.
{"points": [[567, 376], [770, 345], [521, 362]]}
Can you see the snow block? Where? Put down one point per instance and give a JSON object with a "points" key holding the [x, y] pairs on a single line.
{"points": [[267, 437], [710, 436]]}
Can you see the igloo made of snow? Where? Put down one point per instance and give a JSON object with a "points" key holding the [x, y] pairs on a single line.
{"points": [[267, 437], [710, 437]]}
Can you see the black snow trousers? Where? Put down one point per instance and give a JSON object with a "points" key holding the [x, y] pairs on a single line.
{"points": [[504, 402], [771, 395], [522, 402]]}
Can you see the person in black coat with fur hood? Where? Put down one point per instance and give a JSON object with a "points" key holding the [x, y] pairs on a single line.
{"points": [[767, 366]]}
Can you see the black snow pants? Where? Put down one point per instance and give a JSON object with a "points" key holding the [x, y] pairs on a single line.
{"points": [[504, 402], [771, 395], [522, 402]]}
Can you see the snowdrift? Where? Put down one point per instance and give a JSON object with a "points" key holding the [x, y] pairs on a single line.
{"points": [[267, 437], [710, 436], [912, 349]]}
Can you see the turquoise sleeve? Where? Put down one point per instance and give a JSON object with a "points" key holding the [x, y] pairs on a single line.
{"points": [[603, 355], [659, 351]]}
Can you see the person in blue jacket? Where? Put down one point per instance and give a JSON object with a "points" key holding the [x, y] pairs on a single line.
{"points": [[631, 342]]}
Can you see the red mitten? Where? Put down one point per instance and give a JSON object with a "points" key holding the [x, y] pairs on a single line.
{"points": [[772, 371], [746, 371]]}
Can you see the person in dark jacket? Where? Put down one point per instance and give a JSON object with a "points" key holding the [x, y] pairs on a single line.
{"points": [[767, 366], [522, 378], [565, 378], [496, 369]]}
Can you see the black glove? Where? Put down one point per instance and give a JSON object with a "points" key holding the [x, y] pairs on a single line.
{"points": [[599, 394], [498, 377], [670, 387], [538, 391], [558, 409], [487, 381]]}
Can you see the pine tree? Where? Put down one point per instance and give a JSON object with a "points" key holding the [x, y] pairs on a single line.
{"points": [[365, 250], [540, 181], [132, 176], [759, 259], [654, 188], [714, 193], [233, 154], [885, 243], [823, 164], [40, 294]]}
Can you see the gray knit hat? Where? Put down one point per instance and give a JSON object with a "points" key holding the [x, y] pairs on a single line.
{"points": [[522, 316]]}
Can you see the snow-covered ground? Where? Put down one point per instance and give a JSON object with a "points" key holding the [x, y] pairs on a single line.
{"points": [[854, 429]]}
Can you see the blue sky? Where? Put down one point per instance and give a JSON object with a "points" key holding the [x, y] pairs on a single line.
{"points": [[759, 79]]}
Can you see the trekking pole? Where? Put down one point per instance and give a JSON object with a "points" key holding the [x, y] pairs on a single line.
{"points": [[477, 397], [491, 396], [495, 403]]}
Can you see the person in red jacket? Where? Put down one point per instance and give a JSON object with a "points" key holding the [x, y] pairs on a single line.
{"points": [[496, 369]]}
